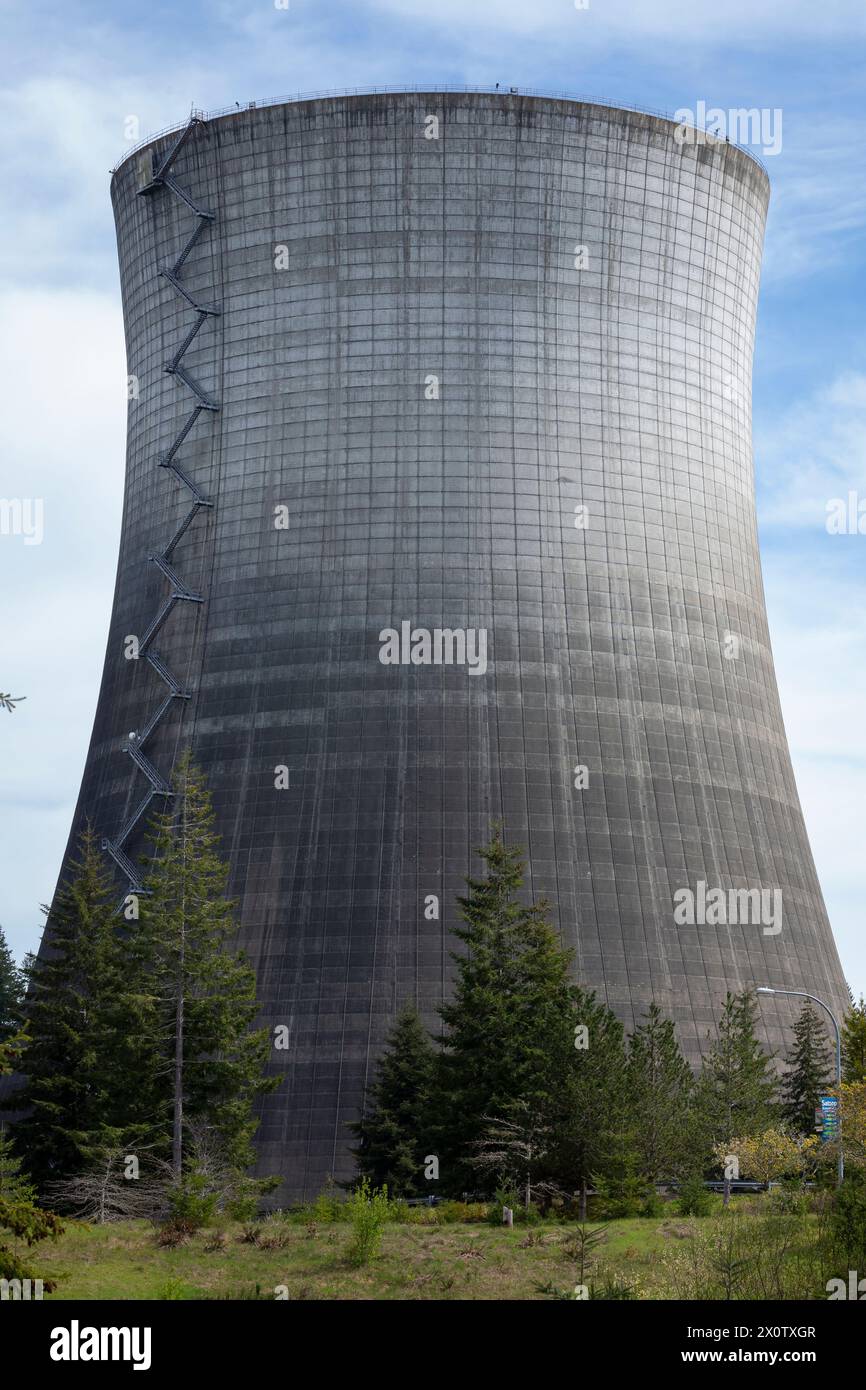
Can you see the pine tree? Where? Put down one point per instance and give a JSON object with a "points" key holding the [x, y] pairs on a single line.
{"points": [[197, 997], [809, 1064], [11, 991], [394, 1132], [69, 1054], [510, 1019], [659, 1083], [736, 1089], [854, 1043]]}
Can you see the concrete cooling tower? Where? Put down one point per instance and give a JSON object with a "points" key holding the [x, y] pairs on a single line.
{"points": [[439, 510]]}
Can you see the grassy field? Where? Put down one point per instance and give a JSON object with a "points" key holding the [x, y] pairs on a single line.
{"points": [[124, 1261], [752, 1252]]}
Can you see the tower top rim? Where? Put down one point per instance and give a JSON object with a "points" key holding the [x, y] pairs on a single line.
{"points": [[510, 97]]}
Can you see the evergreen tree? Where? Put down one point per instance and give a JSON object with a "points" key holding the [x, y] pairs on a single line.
{"points": [[736, 1089], [11, 991], [15, 1186], [201, 1058], [594, 1139], [809, 1072], [69, 1055], [20, 1218], [854, 1043], [511, 1018], [659, 1085], [394, 1132]]}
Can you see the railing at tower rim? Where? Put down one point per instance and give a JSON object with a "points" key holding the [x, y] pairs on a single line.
{"points": [[416, 88]]}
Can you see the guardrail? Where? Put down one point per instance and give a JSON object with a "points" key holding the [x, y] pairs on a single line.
{"points": [[415, 87]]}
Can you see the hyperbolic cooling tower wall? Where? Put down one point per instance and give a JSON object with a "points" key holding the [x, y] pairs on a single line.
{"points": [[355, 254]]}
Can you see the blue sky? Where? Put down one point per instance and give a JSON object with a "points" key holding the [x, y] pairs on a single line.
{"points": [[73, 75]]}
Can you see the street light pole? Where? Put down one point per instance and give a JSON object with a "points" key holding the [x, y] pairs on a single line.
{"points": [[801, 994]]}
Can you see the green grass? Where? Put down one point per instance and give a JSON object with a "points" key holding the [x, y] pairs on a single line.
{"points": [[124, 1261], [659, 1257]]}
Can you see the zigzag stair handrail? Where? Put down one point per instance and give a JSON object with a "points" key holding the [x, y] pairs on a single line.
{"points": [[203, 398], [179, 592], [184, 293]]}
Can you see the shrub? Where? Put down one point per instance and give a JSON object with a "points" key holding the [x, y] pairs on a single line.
{"points": [[623, 1197], [788, 1199], [192, 1203], [243, 1206], [523, 1216], [424, 1216], [328, 1206], [652, 1205], [173, 1234], [368, 1212], [694, 1198], [175, 1289], [464, 1212], [848, 1220], [614, 1287]]}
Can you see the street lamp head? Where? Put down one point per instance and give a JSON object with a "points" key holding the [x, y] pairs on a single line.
{"points": [[764, 989]]}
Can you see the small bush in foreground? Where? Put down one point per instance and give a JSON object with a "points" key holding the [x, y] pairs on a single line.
{"points": [[192, 1203], [368, 1211], [694, 1198]]}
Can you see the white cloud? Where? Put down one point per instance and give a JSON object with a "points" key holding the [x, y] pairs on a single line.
{"points": [[683, 20], [818, 627], [61, 440], [812, 453]]}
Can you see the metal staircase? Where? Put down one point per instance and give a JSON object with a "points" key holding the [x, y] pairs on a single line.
{"points": [[178, 592]]}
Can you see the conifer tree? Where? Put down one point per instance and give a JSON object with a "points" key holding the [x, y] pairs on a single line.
{"points": [[11, 991], [592, 1122], [659, 1086], [15, 1186], [510, 1022], [810, 1068], [854, 1043], [69, 1057], [20, 1218], [736, 1089], [395, 1132], [197, 996]]}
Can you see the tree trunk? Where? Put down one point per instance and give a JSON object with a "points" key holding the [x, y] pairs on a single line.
{"points": [[177, 1124], [582, 1211]]}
